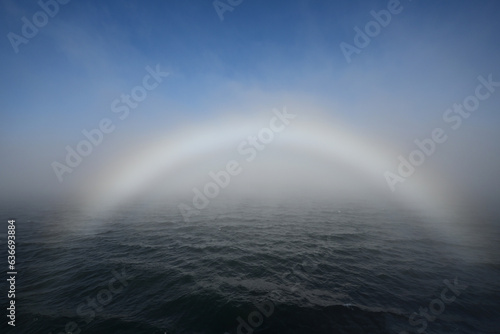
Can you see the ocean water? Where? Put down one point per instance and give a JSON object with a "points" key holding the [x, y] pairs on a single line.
{"points": [[254, 268]]}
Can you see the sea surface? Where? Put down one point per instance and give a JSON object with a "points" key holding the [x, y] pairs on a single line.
{"points": [[253, 268]]}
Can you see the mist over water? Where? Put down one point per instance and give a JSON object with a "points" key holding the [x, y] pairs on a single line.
{"points": [[325, 267]]}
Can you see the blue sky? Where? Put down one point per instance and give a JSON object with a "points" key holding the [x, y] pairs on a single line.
{"points": [[264, 54]]}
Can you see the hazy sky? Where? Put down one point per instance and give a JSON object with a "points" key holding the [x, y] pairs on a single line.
{"points": [[222, 74]]}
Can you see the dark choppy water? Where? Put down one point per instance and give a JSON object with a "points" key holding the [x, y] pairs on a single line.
{"points": [[324, 269]]}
